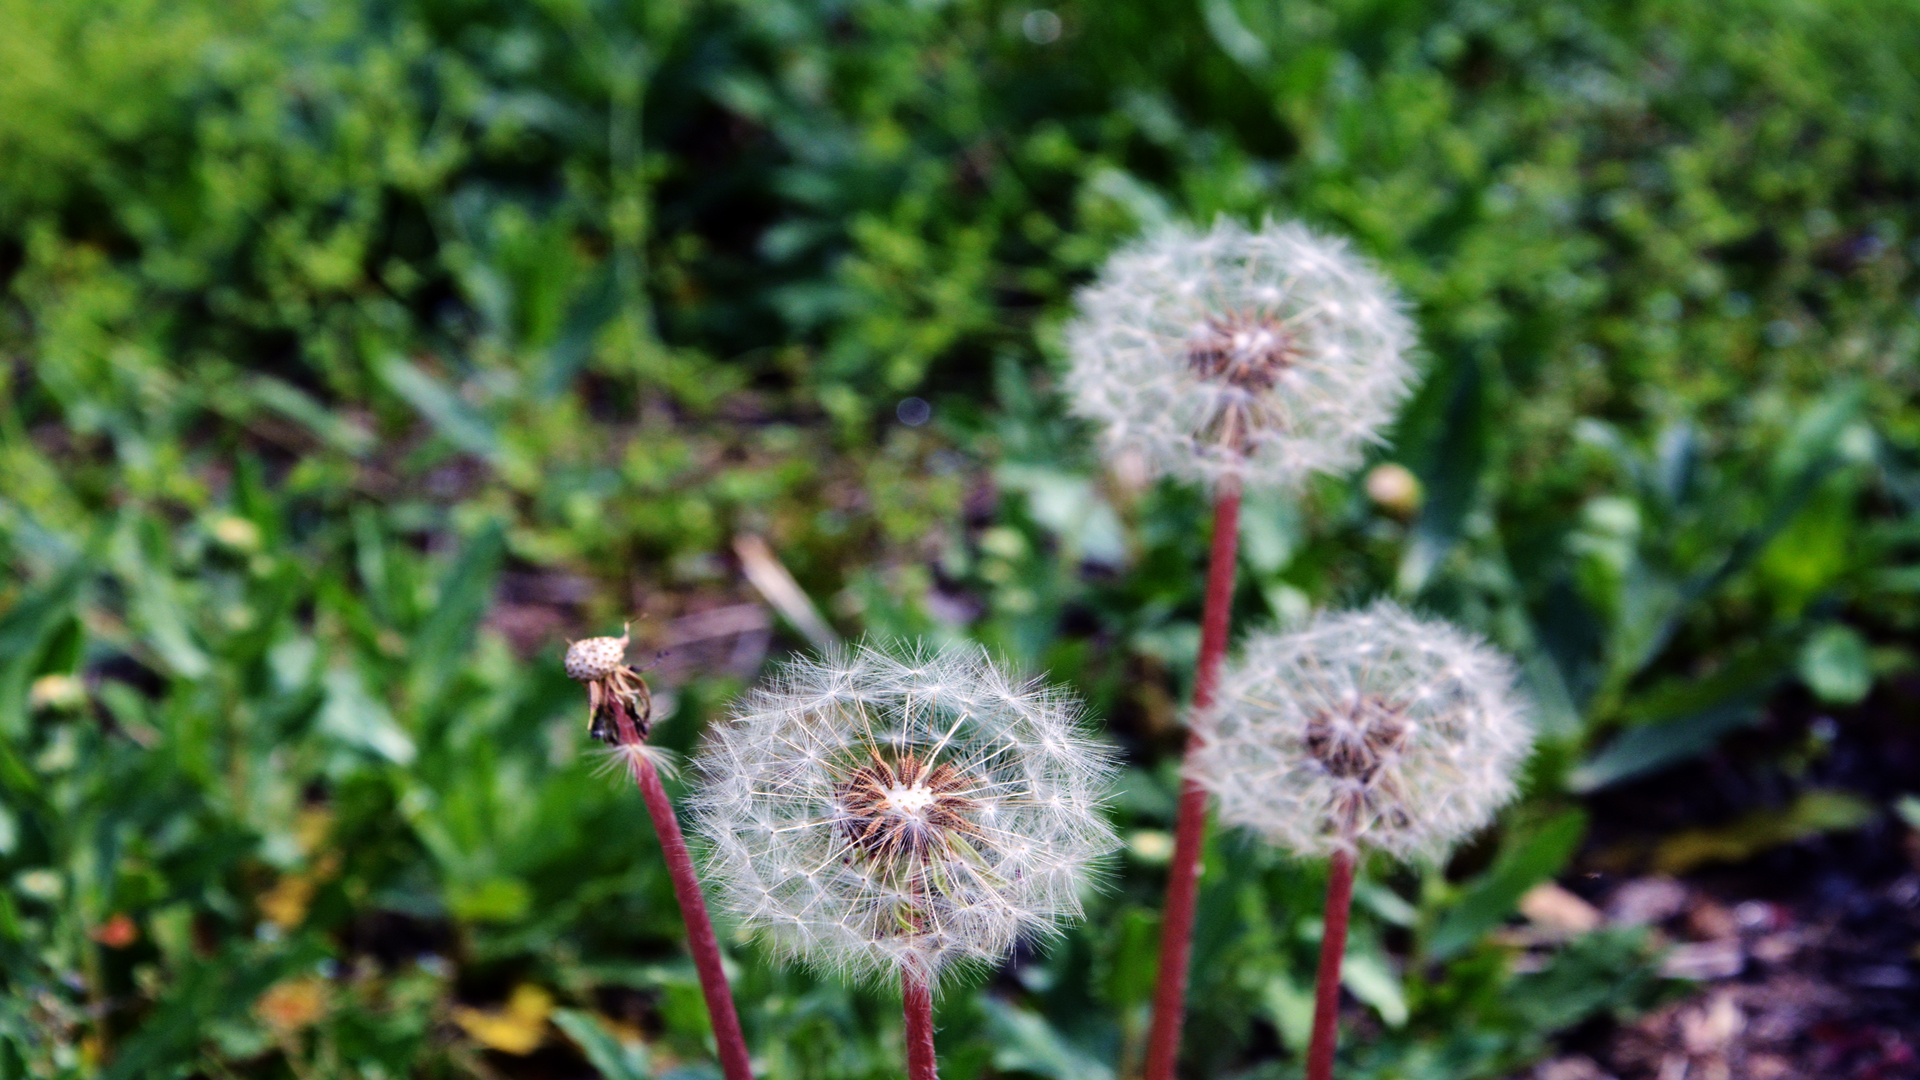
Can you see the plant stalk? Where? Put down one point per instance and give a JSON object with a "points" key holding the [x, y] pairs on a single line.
{"points": [[693, 905], [1190, 828], [917, 1002], [1326, 985]]}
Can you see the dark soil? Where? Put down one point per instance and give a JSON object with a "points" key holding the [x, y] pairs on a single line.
{"points": [[1806, 952]]}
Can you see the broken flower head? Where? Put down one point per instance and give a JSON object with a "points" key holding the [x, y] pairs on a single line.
{"points": [[1364, 729], [601, 663], [873, 813], [1258, 356]]}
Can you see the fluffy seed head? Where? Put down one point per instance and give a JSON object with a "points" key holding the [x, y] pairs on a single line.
{"points": [[1262, 356], [873, 812], [1369, 729]]}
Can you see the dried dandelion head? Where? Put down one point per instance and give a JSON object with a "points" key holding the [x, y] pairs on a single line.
{"points": [[1257, 356], [601, 664], [1364, 729], [873, 813]]}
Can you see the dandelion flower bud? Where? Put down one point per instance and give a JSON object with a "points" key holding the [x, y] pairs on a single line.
{"points": [[1261, 357], [875, 814], [1365, 729]]}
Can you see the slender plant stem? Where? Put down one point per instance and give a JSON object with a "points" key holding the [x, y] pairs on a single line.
{"points": [[693, 906], [1190, 828], [917, 1001], [1326, 985]]}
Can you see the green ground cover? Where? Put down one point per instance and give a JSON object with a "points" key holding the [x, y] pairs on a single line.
{"points": [[356, 351]]}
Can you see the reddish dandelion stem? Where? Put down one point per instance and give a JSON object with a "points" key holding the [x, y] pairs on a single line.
{"points": [[917, 1001], [1190, 829], [693, 906], [1326, 986]]}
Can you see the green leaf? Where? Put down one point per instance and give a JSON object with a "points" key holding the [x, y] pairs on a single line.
{"points": [[345, 435], [1836, 665], [1449, 468], [1800, 468], [1368, 977], [1607, 968], [1068, 506], [1025, 1042], [1271, 530], [354, 717], [1385, 903], [615, 1058], [25, 630], [1641, 750], [465, 594], [1489, 900], [1810, 453], [1233, 37], [1125, 972], [215, 990], [495, 900], [161, 604], [1818, 435], [1289, 1005], [1141, 201], [460, 423], [592, 310]]}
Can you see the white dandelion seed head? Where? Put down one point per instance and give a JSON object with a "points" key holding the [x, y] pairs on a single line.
{"points": [[1364, 729], [1259, 356], [874, 812]]}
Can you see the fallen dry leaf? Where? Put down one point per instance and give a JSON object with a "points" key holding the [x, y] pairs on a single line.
{"points": [[1646, 901], [1559, 912], [1711, 1027], [1704, 960], [518, 1027]]}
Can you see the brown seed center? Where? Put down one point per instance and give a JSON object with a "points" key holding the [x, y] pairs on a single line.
{"points": [[1355, 742], [1244, 349], [905, 809]]}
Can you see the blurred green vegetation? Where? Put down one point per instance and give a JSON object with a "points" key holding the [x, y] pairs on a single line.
{"points": [[358, 350]]}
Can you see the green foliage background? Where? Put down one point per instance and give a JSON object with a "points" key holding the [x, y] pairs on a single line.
{"points": [[328, 322]]}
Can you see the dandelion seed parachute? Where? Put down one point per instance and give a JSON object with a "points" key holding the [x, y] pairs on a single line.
{"points": [[1364, 729], [1257, 356], [873, 814]]}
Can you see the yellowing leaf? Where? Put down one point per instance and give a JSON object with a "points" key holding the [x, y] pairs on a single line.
{"points": [[518, 1027], [311, 827], [1813, 813], [285, 905], [57, 692], [292, 1004]]}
